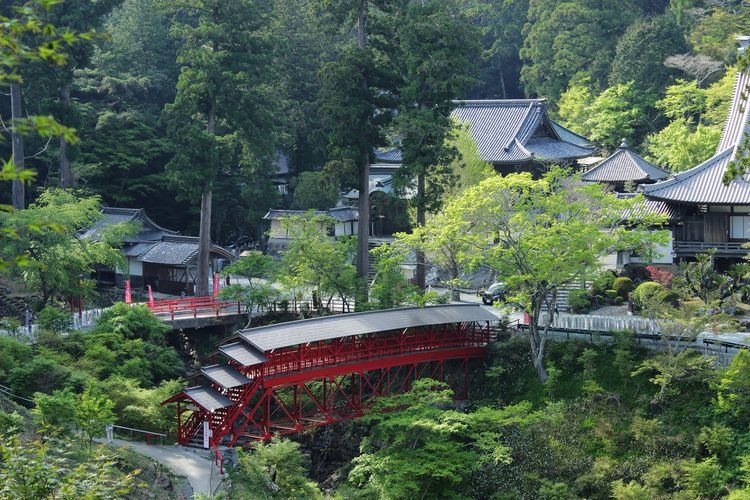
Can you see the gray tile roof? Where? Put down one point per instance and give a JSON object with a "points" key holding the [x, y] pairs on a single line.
{"points": [[340, 214], [170, 253], [277, 214], [207, 398], [702, 185], [136, 249], [225, 376], [568, 135], [150, 231], [344, 214], [738, 119], [624, 165], [503, 128], [266, 338], [651, 207], [245, 355], [392, 155]]}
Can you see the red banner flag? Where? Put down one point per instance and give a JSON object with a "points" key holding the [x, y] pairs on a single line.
{"points": [[128, 292], [150, 297], [216, 284]]}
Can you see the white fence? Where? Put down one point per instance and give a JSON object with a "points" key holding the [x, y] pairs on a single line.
{"points": [[596, 323], [78, 321]]}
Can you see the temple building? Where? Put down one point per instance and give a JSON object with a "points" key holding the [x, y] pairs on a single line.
{"points": [[517, 135], [625, 168]]}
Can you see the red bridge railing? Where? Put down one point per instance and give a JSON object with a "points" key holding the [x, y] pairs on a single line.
{"points": [[194, 306]]}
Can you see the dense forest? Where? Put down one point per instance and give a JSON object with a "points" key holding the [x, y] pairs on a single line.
{"points": [[136, 92]]}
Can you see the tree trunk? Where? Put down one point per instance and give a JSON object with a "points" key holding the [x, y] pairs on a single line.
{"points": [[204, 245], [204, 236], [536, 340], [18, 199], [66, 175], [363, 225], [455, 292], [421, 219]]}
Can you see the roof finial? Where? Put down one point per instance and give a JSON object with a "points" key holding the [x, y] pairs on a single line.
{"points": [[624, 143]]}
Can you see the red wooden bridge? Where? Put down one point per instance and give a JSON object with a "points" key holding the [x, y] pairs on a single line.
{"points": [[284, 378]]}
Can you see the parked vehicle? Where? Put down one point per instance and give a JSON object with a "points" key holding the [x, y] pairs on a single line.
{"points": [[495, 292]]}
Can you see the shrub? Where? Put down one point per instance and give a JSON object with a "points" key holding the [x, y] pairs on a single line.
{"points": [[611, 294], [623, 286], [668, 297], [664, 278], [579, 301], [54, 320], [602, 281], [619, 301], [646, 292]]}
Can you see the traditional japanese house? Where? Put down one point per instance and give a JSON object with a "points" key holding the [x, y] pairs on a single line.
{"points": [[707, 214], [155, 256], [517, 135], [343, 223], [625, 167]]}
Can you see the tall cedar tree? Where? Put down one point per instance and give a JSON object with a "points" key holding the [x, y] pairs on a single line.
{"points": [[438, 44], [351, 93], [221, 114]]}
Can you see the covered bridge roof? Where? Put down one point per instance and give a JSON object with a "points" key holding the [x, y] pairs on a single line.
{"points": [[267, 338]]}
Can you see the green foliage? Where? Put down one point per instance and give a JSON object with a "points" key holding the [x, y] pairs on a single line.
{"points": [[132, 322], [316, 261], [55, 412], [10, 424], [733, 397], [605, 118], [49, 470], [92, 413], [255, 267], [47, 234], [314, 190], [275, 470], [389, 288], [641, 50], [540, 235], [668, 297], [645, 293], [579, 301], [419, 448], [704, 479], [679, 147], [41, 374], [467, 168], [12, 354], [623, 286], [568, 40]]}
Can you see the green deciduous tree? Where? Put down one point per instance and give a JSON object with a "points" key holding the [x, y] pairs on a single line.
{"points": [[256, 268], [679, 146], [46, 233], [274, 470], [418, 448], [55, 412], [92, 413], [316, 261], [540, 235], [733, 388]]}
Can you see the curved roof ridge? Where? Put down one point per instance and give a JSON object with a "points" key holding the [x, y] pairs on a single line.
{"points": [[738, 115], [686, 174], [506, 102], [522, 123]]}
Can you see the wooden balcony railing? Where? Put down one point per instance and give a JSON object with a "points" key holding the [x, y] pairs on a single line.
{"points": [[722, 248]]}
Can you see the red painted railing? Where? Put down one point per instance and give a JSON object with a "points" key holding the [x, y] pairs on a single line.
{"points": [[194, 306]]}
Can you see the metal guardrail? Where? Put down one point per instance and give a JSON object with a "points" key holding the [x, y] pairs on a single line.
{"points": [[148, 435]]}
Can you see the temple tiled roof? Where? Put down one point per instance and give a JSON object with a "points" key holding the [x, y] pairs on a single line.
{"points": [[340, 214], [392, 155], [624, 165], [518, 131], [703, 185], [738, 119], [150, 230]]}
